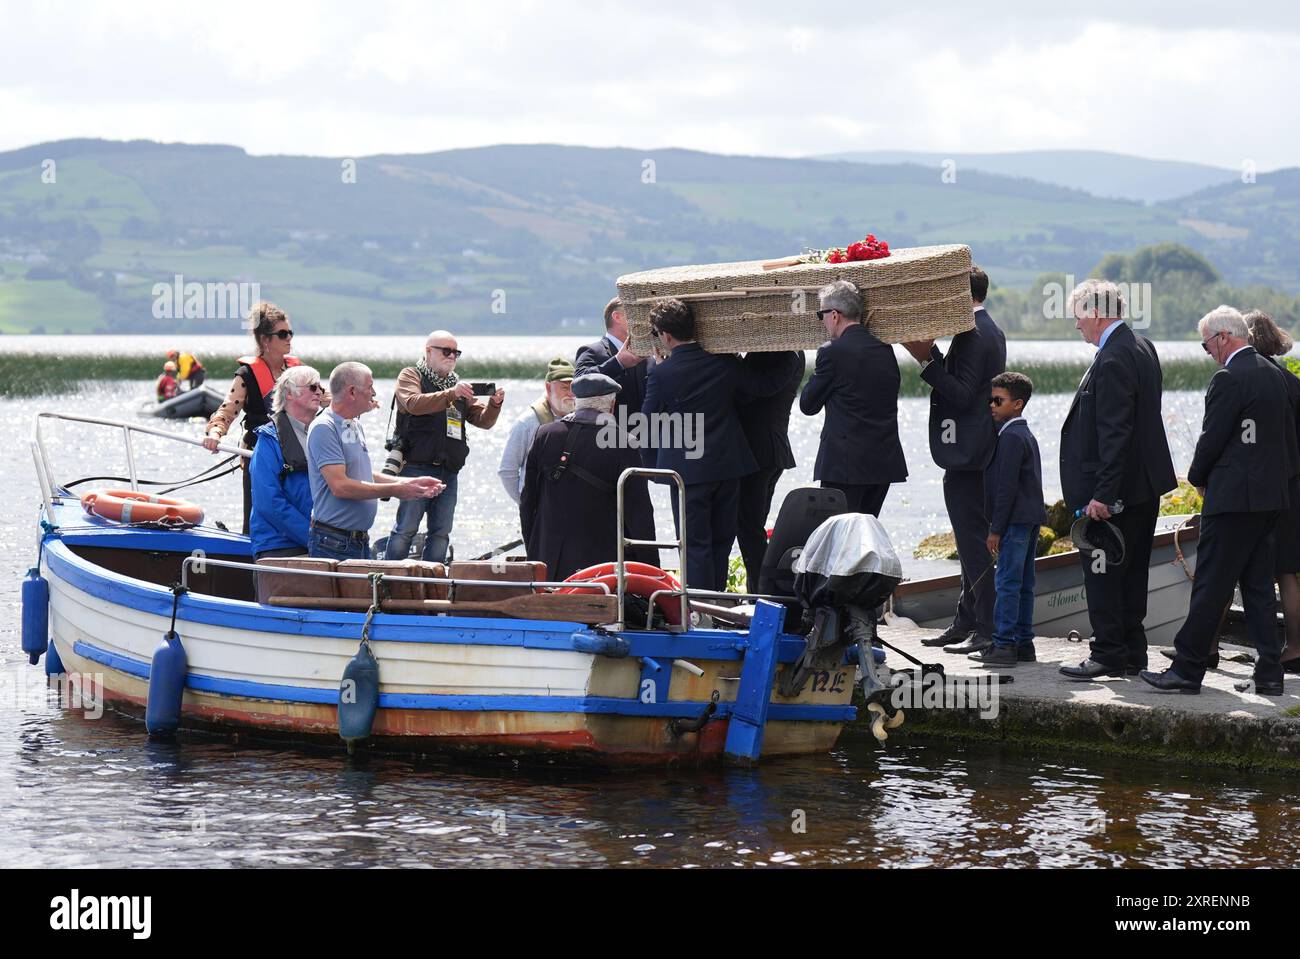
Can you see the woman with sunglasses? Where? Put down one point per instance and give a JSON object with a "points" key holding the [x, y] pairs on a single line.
{"points": [[280, 520], [254, 382]]}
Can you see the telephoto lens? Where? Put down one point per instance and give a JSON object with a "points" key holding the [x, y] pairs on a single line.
{"points": [[396, 460]]}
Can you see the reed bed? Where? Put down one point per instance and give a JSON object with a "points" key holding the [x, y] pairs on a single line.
{"points": [[46, 374]]}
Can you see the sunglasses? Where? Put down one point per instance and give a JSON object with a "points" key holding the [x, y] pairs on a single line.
{"points": [[996, 401], [282, 334], [447, 351], [315, 388], [1205, 344], [821, 314]]}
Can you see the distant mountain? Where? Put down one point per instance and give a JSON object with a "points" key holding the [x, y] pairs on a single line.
{"points": [[1112, 175], [529, 239]]}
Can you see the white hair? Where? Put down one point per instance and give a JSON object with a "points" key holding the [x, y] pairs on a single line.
{"points": [[348, 374], [293, 381], [1224, 319], [604, 403], [843, 296], [1100, 295]]}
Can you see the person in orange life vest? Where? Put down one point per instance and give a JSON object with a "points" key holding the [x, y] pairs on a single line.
{"points": [[250, 391], [167, 387]]}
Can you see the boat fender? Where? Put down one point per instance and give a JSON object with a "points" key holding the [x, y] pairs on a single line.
{"points": [[601, 644], [36, 615], [162, 714], [358, 697], [167, 671], [53, 662]]}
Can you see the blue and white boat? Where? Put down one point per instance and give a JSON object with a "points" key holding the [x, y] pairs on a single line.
{"points": [[167, 621]]}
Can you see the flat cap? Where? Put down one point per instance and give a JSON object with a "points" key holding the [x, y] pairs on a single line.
{"points": [[594, 384]]}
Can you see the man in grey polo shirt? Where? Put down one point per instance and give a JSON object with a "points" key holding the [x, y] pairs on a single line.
{"points": [[344, 486]]}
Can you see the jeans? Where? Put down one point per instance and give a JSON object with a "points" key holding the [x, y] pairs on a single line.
{"points": [[440, 509], [327, 545], [1013, 606]]}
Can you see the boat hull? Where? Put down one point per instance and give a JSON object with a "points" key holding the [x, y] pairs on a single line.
{"points": [[1061, 599], [490, 687]]}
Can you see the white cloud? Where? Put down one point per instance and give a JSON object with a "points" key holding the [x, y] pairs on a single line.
{"points": [[348, 78]]}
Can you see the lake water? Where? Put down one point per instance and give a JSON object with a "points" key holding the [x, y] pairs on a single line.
{"points": [[116, 799]]}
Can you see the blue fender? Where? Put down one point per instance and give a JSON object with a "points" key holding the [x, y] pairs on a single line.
{"points": [[36, 615], [166, 686], [358, 697]]}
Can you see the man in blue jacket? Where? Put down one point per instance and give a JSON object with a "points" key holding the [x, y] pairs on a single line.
{"points": [[280, 518], [1013, 502]]}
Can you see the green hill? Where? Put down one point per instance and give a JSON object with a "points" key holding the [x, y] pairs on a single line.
{"points": [[522, 239]]}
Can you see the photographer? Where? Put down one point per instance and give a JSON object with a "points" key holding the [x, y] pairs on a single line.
{"points": [[433, 406]]}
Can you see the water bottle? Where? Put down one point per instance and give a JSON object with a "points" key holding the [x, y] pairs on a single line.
{"points": [[1114, 510]]}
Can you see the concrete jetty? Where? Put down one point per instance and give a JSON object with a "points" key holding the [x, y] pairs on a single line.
{"points": [[1219, 726]]}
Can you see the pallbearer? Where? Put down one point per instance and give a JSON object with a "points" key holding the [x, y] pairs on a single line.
{"points": [[1115, 466], [962, 440], [568, 510]]}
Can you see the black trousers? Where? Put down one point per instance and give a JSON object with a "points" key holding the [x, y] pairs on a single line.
{"points": [[1117, 592], [755, 502], [711, 510], [1233, 548], [963, 495], [861, 499]]}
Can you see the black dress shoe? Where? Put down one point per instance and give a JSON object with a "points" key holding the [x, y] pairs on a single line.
{"points": [[1211, 663], [1025, 653], [949, 637], [1170, 682], [995, 656], [1262, 689], [1091, 669], [1291, 666], [973, 645]]}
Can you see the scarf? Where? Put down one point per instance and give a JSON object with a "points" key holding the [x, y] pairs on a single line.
{"points": [[440, 383]]}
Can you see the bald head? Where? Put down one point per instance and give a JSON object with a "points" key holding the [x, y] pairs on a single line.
{"points": [[441, 352]]}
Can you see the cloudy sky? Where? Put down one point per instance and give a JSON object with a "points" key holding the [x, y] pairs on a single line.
{"points": [[1215, 83]]}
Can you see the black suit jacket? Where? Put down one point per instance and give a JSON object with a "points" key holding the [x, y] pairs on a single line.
{"points": [[1113, 443], [1247, 445], [1293, 393], [1013, 481], [961, 430], [702, 387], [569, 523], [856, 379], [766, 420], [600, 357]]}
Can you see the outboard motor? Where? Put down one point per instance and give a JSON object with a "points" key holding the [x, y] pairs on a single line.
{"points": [[846, 571]]}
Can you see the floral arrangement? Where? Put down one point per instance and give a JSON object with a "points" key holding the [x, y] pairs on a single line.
{"points": [[866, 249]]}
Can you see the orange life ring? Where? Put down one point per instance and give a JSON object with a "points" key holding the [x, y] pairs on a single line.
{"points": [[128, 506], [641, 579]]}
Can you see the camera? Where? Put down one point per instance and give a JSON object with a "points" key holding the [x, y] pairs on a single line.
{"points": [[396, 456], [483, 389]]}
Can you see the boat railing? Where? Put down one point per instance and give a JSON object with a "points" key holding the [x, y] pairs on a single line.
{"points": [[40, 453], [620, 565], [190, 562]]}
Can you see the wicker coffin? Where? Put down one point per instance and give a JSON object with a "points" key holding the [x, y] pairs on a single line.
{"points": [[918, 293]]}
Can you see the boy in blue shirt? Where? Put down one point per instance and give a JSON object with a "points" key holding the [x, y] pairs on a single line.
{"points": [[1013, 500]]}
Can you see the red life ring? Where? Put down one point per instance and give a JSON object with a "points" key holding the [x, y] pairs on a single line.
{"points": [[641, 579], [128, 506]]}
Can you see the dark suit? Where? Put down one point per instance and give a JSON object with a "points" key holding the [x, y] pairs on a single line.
{"points": [[856, 380], [1013, 481], [1243, 459], [962, 439], [601, 357], [570, 522], [766, 423], [700, 389], [1113, 450]]}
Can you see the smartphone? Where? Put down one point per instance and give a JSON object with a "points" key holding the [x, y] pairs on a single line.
{"points": [[483, 389]]}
